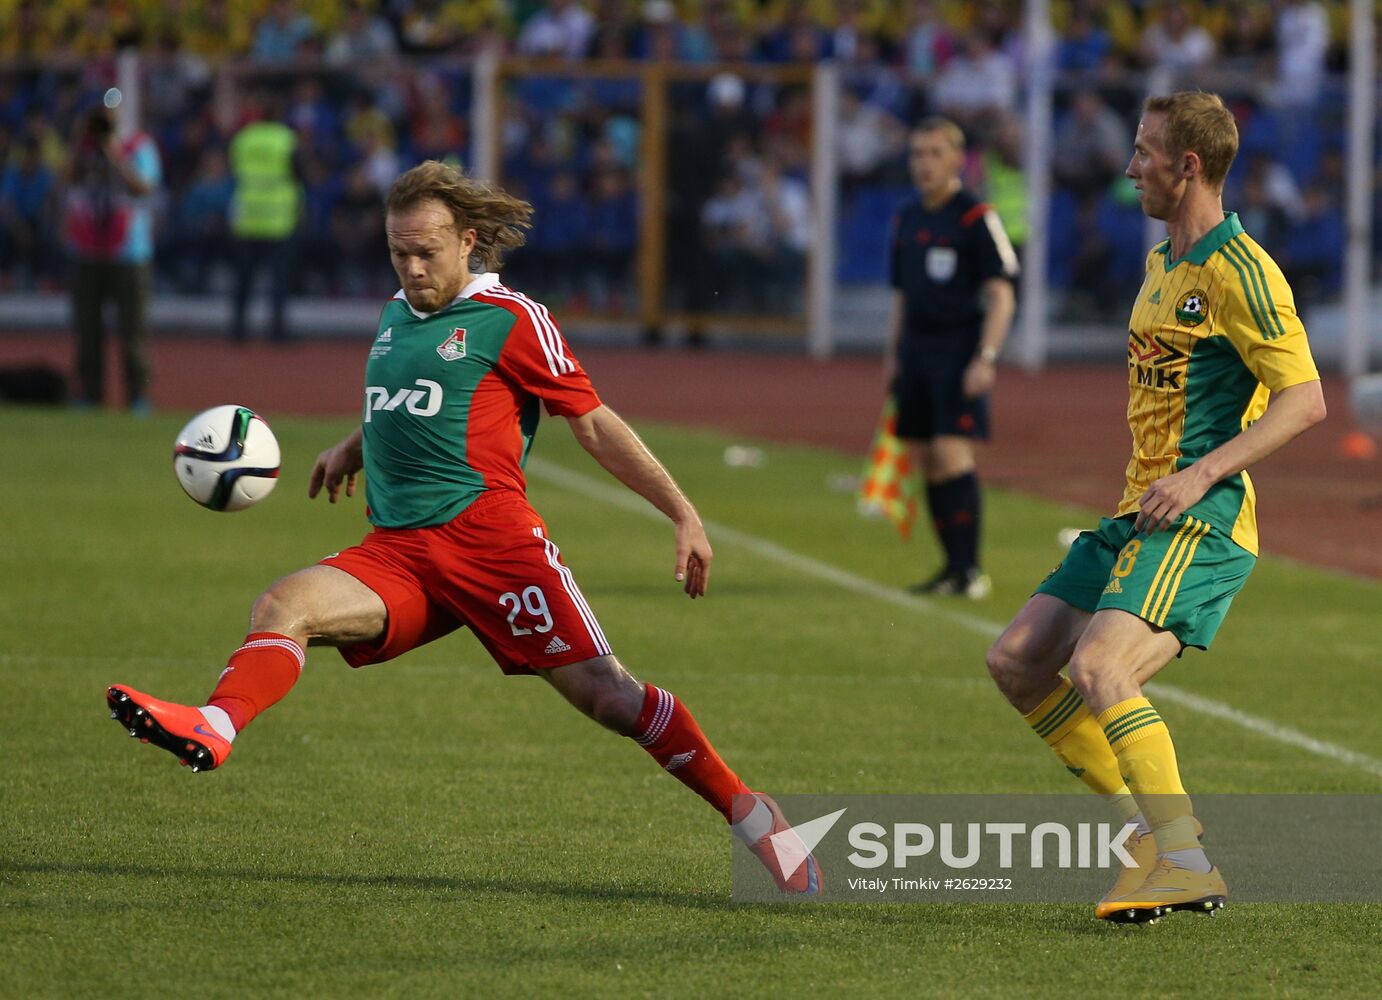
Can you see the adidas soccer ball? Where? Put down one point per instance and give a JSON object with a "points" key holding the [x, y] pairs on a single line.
{"points": [[227, 458]]}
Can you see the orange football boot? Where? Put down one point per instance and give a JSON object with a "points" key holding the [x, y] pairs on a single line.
{"points": [[180, 729], [792, 866]]}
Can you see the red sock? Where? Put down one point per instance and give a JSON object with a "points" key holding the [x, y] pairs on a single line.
{"points": [[260, 672], [668, 731]]}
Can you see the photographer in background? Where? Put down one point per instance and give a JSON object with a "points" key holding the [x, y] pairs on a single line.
{"points": [[108, 230]]}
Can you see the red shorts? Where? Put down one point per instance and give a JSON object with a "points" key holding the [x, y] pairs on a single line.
{"points": [[493, 569]]}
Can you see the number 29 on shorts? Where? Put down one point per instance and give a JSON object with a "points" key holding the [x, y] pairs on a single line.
{"points": [[534, 602]]}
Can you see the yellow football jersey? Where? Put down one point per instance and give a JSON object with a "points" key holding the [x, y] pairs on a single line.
{"points": [[1211, 336]]}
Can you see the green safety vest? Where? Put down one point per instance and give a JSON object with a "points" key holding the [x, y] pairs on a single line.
{"points": [[267, 196], [1006, 191]]}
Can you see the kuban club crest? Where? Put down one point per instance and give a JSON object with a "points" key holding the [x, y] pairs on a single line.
{"points": [[1192, 308]]}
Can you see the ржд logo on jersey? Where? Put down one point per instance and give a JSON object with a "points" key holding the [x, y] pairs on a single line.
{"points": [[421, 402], [453, 347]]}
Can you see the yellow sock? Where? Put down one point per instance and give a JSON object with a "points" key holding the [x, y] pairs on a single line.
{"points": [[1067, 725], [1147, 762]]}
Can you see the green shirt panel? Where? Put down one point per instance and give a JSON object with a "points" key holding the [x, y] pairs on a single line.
{"points": [[422, 382]]}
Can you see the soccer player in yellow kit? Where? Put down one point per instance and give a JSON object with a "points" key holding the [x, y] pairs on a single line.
{"points": [[1213, 334]]}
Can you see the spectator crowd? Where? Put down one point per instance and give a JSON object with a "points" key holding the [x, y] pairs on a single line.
{"points": [[374, 86]]}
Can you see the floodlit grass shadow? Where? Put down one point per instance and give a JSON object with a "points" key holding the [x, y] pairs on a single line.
{"points": [[477, 886]]}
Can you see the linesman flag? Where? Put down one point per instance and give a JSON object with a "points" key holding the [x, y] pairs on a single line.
{"points": [[889, 489]]}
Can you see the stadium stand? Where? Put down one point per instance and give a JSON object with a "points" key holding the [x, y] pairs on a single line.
{"points": [[375, 86]]}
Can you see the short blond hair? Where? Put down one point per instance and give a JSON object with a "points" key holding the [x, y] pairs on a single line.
{"points": [[1198, 122], [945, 127], [499, 219]]}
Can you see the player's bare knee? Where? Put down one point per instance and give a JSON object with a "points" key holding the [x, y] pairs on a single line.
{"points": [[1023, 671], [620, 699], [1008, 661], [276, 611], [617, 709], [603, 690], [1088, 672], [999, 663]]}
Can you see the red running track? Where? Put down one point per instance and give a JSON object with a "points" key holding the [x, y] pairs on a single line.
{"points": [[1058, 434]]}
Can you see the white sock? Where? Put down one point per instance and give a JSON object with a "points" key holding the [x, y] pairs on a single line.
{"points": [[756, 825], [217, 719], [1192, 858]]}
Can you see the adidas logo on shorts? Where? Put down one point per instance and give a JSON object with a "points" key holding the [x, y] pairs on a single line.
{"points": [[557, 646], [1114, 587]]}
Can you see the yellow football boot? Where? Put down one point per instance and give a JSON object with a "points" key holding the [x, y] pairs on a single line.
{"points": [[1168, 888], [1142, 847]]}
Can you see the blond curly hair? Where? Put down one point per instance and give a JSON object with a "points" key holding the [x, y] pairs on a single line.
{"points": [[499, 219]]}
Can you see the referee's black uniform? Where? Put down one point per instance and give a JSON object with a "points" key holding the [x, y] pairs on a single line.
{"points": [[941, 260]]}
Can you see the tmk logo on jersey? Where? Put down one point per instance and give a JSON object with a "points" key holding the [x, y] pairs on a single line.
{"points": [[453, 347], [1192, 308], [421, 402], [1155, 362]]}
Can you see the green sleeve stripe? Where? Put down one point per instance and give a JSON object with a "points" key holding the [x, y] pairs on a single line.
{"points": [[1259, 279], [1252, 289], [1266, 287], [1250, 295]]}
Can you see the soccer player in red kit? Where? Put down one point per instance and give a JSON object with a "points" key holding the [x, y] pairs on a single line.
{"points": [[453, 383]]}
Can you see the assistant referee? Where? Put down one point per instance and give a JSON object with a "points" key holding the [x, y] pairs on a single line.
{"points": [[952, 269]]}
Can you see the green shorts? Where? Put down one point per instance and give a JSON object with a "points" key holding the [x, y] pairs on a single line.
{"points": [[1182, 580]]}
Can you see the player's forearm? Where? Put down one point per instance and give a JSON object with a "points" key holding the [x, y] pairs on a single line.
{"points": [[622, 453], [1290, 412], [354, 442], [998, 316]]}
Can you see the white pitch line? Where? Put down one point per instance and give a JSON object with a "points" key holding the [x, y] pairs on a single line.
{"points": [[617, 496], [1263, 727]]}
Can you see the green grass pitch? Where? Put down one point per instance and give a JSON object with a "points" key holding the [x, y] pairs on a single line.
{"points": [[430, 828]]}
